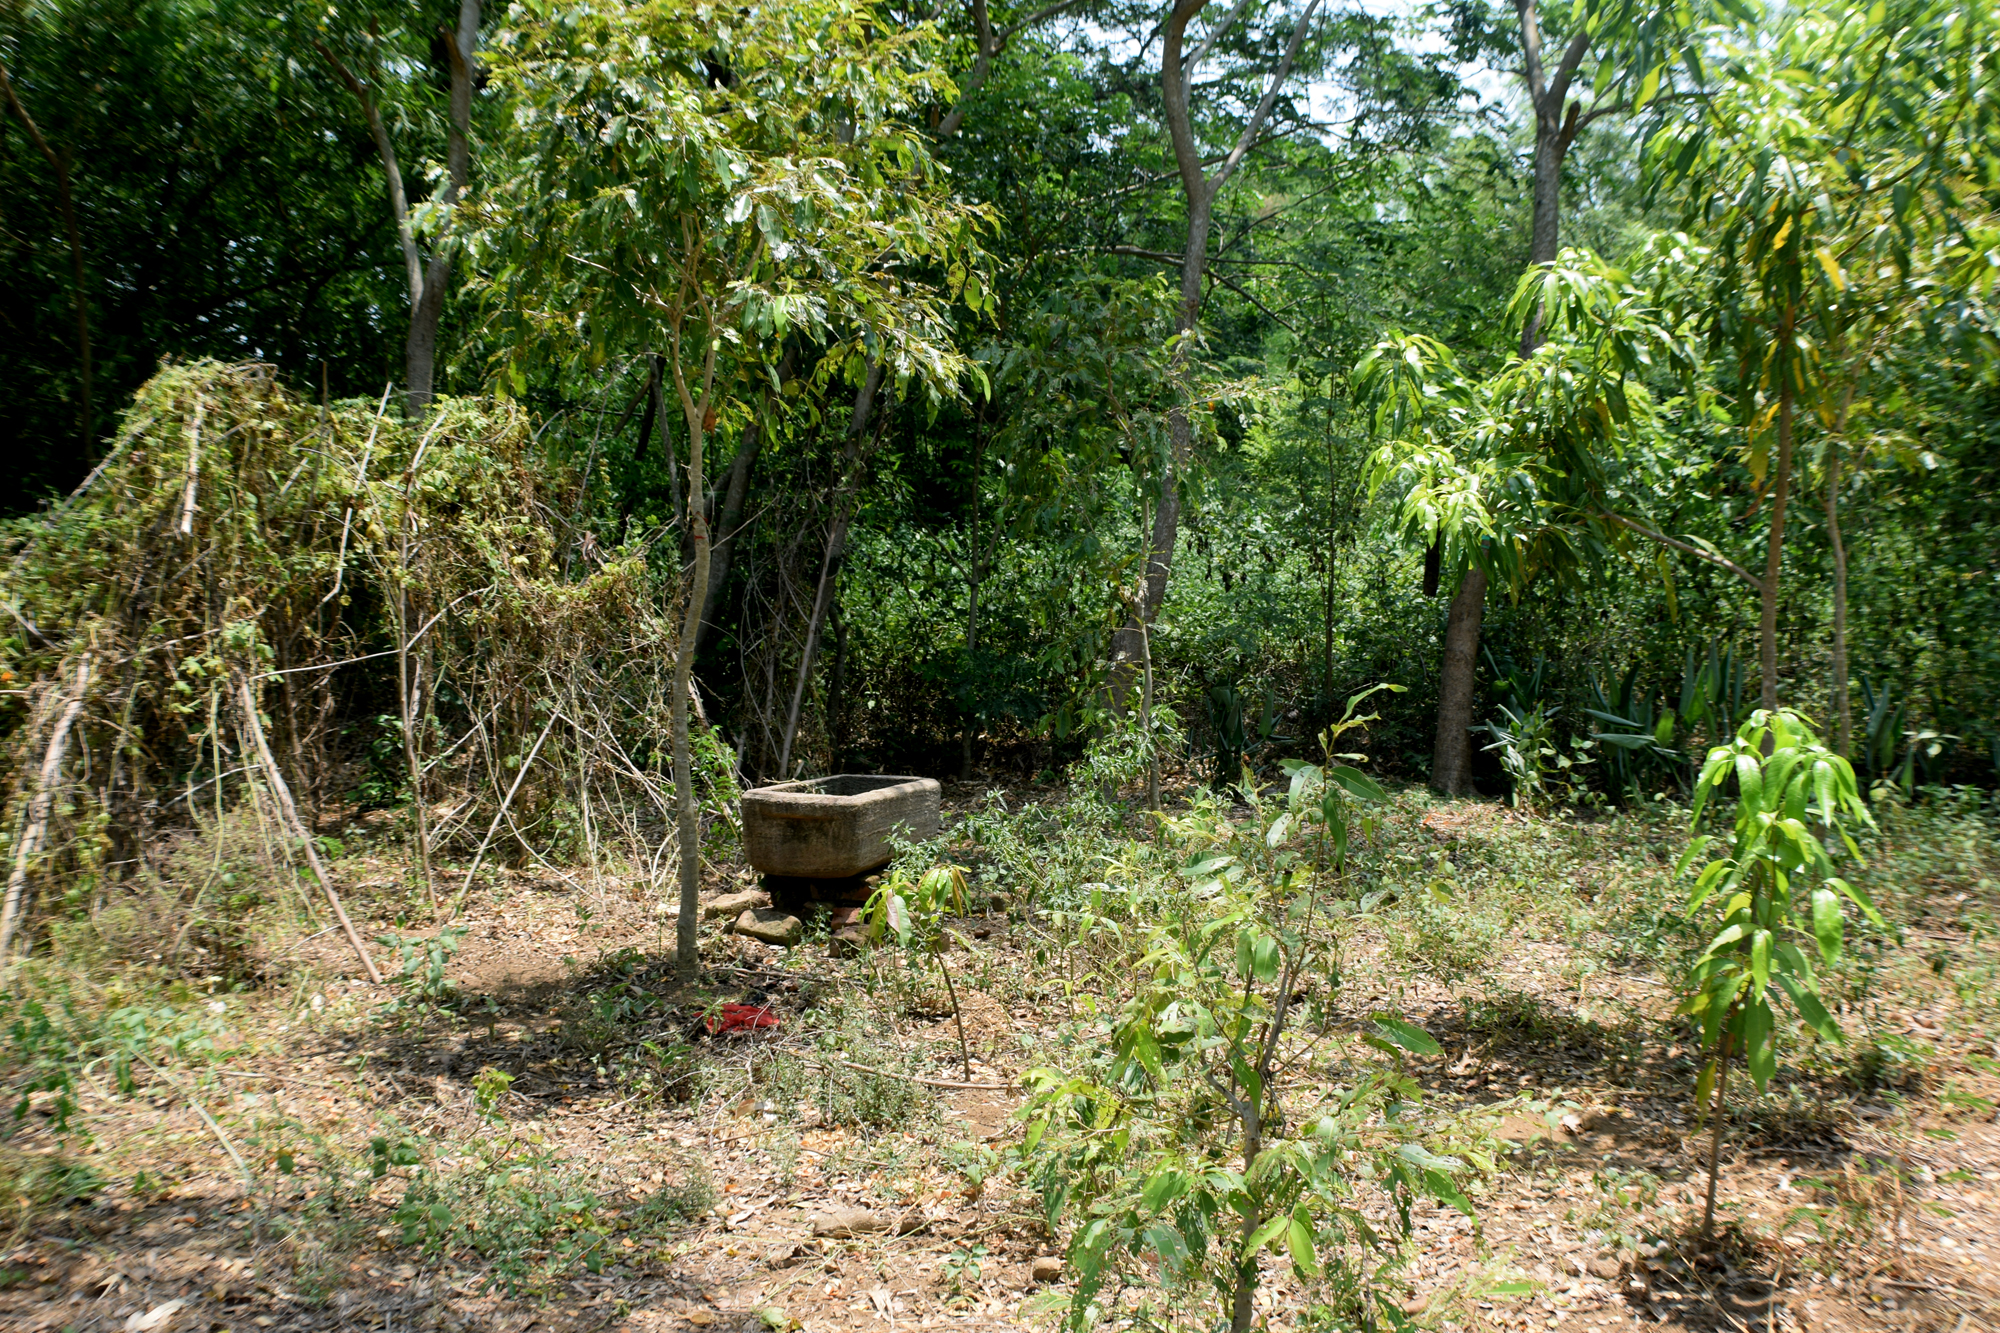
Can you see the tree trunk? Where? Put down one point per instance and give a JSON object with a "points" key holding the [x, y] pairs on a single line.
{"points": [[1767, 627], [1842, 710], [971, 660], [836, 550], [676, 507], [837, 687], [1554, 132], [1128, 644], [734, 493], [1715, 1139], [654, 407], [420, 347], [1451, 761], [687, 958], [1544, 240]]}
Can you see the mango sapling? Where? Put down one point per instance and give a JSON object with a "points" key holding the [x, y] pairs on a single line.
{"points": [[1774, 880]]}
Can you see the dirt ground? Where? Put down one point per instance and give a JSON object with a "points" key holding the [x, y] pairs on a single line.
{"points": [[1587, 1088]]}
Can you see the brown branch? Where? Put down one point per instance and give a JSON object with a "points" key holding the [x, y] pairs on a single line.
{"points": [[288, 813], [1248, 138], [399, 206], [41, 805], [1685, 548], [989, 45]]}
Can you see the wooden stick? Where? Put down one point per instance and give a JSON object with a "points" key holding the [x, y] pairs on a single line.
{"points": [[282, 795], [36, 830], [913, 1078]]}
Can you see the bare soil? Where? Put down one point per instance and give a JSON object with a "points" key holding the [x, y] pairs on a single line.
{"points": [[1841, 1212]]}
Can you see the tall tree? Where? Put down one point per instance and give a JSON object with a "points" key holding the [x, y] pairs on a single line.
{"points": [[711, 208], [429, 280], [1623, 47], [1199, 187]]}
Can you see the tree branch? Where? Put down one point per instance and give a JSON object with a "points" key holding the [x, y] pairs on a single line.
{"points": [[988, 47], [1174, 94], [1685, 548], [1566, 69], [1256, 123], [1193, 62], [399, 207], [1531, 50]]}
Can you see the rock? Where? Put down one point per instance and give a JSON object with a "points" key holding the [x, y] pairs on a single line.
{"points": [[771, 926], [1046, 1268], [847, 931], [1605, 1267], [846, 1223], [735, 904]]}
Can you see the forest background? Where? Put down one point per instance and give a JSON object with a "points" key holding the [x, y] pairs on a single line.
{"points": [[935, 584], [457, 449]]}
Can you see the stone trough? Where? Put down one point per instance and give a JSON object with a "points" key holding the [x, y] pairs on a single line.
{"points": [[821, 840], [837, 827]]}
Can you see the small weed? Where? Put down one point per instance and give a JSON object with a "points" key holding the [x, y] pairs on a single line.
{"points": [[1445, 934], [421, 971]]}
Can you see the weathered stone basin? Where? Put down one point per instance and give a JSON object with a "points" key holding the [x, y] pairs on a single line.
{"points": [[835, 827]]}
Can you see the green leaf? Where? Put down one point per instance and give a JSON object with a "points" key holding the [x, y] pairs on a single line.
{"points": [[1442, 1188], [1356, 783], [1827, 922], [1760, 1051], [1299, 1239], [1810, 1008], [1266, 1233], [1859, 899], [1164, 1187], [1695, 848], [1406, 1035]]}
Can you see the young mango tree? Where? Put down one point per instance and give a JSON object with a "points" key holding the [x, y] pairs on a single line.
{"points": [[1195, 1137], [1772, 887], [706, 187]]}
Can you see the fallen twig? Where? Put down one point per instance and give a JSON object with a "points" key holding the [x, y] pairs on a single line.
{"points": [[918, 1078]]}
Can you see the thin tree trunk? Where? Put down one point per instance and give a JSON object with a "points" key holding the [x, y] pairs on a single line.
{"points": [[35, 831], [1555, 129], [1767, 628], [1200, 189], [836, 688], [1243, 1306], [687, 959], [66, 202], [729, 520], [1842, 710], [1332, 543], [1451, 761], [654, 407], [971, 730], [836, 550], [420, 348], [675, 504], [1715, 1139]]}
